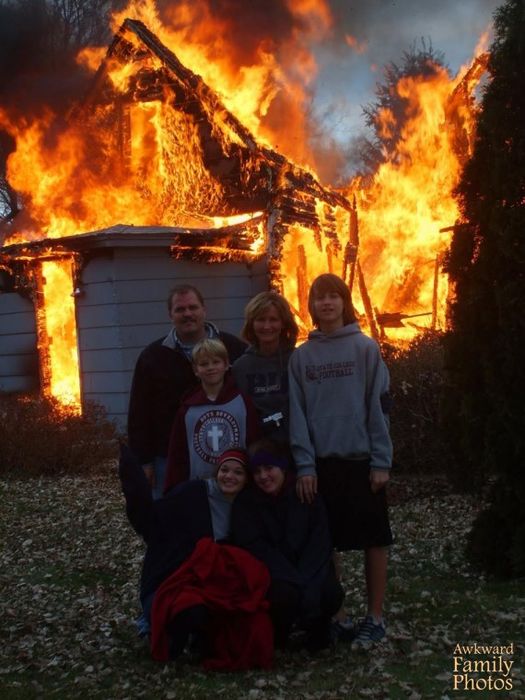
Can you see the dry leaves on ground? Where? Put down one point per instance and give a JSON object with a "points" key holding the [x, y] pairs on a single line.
{"points": [[69, 573]]}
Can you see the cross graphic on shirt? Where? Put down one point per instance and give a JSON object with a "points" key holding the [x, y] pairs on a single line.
{"points": [[214, 435]]}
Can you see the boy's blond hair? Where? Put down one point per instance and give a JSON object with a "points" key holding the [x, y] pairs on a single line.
{"points": [[211, 347]]}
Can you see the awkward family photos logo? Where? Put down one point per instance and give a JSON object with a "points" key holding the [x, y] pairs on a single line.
{"points": [[482, 667]]}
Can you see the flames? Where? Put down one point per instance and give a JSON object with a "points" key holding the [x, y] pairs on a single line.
{"points": [[408, 211], [71, 184], [259, 80], [408, 203], [57, 334]]}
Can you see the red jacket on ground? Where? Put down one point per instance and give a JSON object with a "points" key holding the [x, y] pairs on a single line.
{"points": [[232, 585]]}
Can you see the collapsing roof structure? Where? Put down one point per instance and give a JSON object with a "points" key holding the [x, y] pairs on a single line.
{"points": [[212, 195], [231, 174]]}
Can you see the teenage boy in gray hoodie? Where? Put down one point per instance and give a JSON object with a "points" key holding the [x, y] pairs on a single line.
{"points": [[340, 438]]}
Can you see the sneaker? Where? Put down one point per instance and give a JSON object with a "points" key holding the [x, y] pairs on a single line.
{"points": [[143, 626], [368, 633], [343, 630]]}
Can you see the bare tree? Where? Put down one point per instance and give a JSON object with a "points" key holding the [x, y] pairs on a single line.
{"points": [[79, 23], [39, 40]]}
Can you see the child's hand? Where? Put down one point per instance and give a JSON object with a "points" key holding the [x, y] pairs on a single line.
{"points": [[306, 488], [378, 479]]}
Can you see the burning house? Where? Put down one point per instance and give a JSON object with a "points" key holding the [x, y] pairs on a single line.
{"points": [[203, 203]]}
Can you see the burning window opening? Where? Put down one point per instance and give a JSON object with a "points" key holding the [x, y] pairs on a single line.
{"points": [[57, 331]]}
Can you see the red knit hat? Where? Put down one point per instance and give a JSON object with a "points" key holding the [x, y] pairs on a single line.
{"points": [[236, 455]]}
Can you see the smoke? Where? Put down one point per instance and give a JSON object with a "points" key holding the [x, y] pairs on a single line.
{"points": [[37, 51], [248, 27], [330, 51], [386, 27], [39, 40], [245, 26]]}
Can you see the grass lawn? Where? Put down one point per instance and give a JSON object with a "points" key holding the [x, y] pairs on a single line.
{"points": [[69, 570]]}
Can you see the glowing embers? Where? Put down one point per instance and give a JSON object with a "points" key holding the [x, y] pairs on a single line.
{"points": [[57, 332]]}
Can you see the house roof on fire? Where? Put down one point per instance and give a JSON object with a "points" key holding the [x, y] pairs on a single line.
{"points": [[238, 238], [253, 174]]}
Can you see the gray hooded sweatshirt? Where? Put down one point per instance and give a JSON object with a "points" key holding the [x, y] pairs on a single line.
{"points": [[338, 387]]}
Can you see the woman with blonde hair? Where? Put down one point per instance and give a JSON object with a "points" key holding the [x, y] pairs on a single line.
{"points": [[262, 371]]}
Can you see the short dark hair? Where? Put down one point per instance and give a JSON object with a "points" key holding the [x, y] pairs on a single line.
{"points": [[331, 283], [261, 302], [184, 289]]}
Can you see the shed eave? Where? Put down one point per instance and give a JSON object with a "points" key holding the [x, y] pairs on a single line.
{"points": [[122, 236]]}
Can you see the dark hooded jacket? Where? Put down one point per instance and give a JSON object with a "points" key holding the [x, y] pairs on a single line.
{"points": [[171, 526], [290, 537]]}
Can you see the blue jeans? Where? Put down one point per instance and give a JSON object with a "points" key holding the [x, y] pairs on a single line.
{"points": [[159, 470], [143, 622]]}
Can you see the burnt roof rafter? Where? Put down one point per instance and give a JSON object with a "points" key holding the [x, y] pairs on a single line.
{"points": [[190, 93]]}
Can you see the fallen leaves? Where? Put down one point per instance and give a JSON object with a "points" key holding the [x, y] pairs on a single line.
{"points": [[69, 570]]}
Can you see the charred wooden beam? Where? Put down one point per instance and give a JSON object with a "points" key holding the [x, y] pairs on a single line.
{"points": [[329, 258], [333, 237], [275, 273], [309, 215], [211, 255], [305, 183], [302, 282], [296, 205], [352, 247], [237, 237], [395, 319], [317, 238], [292, 217], [211, 240], [287, 199], [365, 297], [123, 136]]}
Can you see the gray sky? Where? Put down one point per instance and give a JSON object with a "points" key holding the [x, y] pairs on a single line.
{"points": [[383, 29]]}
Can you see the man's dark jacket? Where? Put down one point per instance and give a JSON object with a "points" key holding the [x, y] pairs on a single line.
{"points": [[162, 376]]}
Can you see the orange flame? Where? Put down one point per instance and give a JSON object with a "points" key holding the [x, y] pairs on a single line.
{"points": [[59, 333], [408, 203], [78, 179]]}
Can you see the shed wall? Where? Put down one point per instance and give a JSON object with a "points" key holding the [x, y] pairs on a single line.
{"points": [[18, 345], [122, 308]]}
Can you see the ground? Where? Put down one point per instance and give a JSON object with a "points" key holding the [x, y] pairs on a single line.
{"points": [[68, 574]]}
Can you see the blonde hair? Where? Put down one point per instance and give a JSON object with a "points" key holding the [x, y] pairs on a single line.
{"points": [[262, 302], [211, 347]]}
